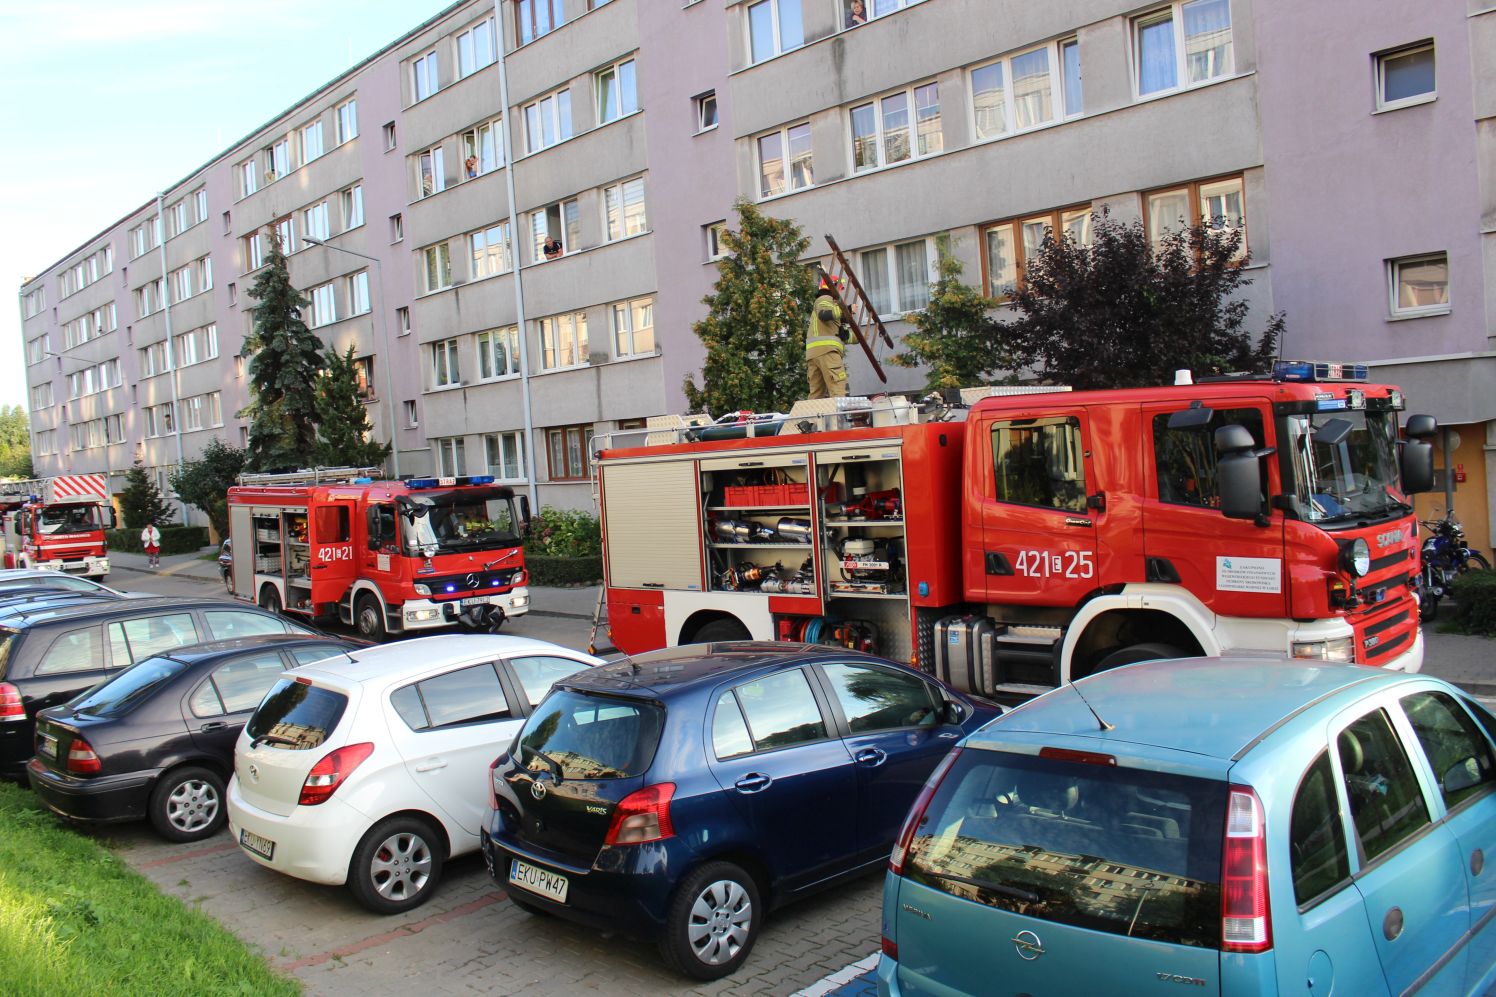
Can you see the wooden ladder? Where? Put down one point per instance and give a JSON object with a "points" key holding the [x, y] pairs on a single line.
{"points": [[857, 309]]}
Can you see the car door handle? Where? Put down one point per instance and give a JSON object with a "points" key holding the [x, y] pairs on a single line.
{"points": [[209, 727], [432, 766], [753, 782], [871, 757]]}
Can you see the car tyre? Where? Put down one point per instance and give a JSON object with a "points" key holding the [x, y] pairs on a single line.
{"points": [[721, 630], [712, 923], [188, 804], [368, 617], [396, 866], [1131, 654]]}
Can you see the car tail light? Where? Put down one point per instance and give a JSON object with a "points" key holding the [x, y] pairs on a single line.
{"points": [[328, 774], [493, 784], [917, 813], [643, 815], [82, 759], [11, 707], [890, 948], [1246, 919]]}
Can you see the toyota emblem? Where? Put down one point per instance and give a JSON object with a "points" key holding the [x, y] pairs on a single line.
{"points": [[538, 789], [474, 580], [1028, 945]]}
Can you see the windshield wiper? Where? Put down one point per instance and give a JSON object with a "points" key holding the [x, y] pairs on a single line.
{"points": [[555, 765], [272, 739]]}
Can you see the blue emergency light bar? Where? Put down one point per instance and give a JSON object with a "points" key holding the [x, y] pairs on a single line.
{"points": [[421, 484], [1317, 370]]}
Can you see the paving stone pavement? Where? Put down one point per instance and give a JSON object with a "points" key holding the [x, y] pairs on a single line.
{"points": [[468, 939]]}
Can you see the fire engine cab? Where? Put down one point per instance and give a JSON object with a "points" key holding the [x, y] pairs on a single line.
{"points": [[384, 556], [1022, 539], [58, 523]]}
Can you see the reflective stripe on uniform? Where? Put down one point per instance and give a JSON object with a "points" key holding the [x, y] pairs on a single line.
{"points": [[813, 343]]}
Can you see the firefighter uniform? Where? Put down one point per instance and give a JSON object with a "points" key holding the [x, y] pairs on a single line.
{"points": [[824, 348]]}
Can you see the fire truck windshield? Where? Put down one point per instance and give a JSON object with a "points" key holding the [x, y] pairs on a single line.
{"points": [[68, 519], [1344, 465], [468, 520]]}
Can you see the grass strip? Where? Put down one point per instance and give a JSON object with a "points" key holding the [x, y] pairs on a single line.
{"points": [[76, 920]]}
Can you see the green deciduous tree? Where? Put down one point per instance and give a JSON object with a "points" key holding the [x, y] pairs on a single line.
{"points": [[754, 330], [1124, 311], [285, 359], [205, 482], [140, 502], [343, 421], [954, 336], [15, 442]]}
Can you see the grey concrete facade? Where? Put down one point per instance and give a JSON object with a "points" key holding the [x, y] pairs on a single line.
{"points": [[1243, 123]]}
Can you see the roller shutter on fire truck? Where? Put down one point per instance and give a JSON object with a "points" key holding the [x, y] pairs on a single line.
{"points": [[649, 507]]}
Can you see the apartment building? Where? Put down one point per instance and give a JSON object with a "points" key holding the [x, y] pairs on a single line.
{"points": [[521, 200]]}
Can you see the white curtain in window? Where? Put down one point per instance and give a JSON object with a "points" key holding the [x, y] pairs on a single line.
{"points": [[874, 278], [914, 276], [1207, 39], [1157, 65], [988, 98], [1032, 102]]}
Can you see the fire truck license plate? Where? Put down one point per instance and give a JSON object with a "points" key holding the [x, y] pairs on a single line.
{"points": [[477, 600]]}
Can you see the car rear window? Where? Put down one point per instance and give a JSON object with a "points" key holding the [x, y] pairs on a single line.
{"points": [[578, 736], [1125, 851], [297, 716], [129, 688]]}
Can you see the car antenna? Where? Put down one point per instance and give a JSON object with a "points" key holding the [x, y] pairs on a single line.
{"points": [[1103, 723]]}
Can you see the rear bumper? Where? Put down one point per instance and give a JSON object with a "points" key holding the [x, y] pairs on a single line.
{"points": [[311, 843], [104, 798]]}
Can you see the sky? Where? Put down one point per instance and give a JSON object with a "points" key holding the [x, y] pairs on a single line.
{"points": [[107, 102]]}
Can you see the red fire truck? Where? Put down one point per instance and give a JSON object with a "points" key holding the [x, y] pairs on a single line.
{"points": [[58, 523], [384, 556], [1033, 538]]}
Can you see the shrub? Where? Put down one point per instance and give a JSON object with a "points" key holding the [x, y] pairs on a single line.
{"points": [[1475, 602], [564, 533], [174, 539], [556, 571]]}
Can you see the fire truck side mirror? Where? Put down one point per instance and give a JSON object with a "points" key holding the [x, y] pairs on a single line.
{"points": [[524, 514], [371, 518], [1238, 473], [1421, 427], [109, 521], [1417, 465]]}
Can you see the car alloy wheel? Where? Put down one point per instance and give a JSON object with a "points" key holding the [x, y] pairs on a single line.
{"points": [[721, 920]]}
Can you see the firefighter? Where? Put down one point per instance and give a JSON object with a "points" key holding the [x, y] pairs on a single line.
{"points": [[825, 343]]}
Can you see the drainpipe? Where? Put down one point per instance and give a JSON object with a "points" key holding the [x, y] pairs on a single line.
{"points": [[171, 360], [519, 286]]}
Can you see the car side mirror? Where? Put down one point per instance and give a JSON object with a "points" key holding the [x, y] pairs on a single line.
{"points": [[1461, 775], [952, 713]]}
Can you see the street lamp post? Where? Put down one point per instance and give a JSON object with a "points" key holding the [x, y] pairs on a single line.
{"points": [[381, 330]]}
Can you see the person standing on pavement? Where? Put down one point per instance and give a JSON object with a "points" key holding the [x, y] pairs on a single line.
{"points": [[825, 343], [150, 539]]}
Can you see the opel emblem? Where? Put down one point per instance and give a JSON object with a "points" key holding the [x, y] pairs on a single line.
{"points": [[538, 789], [254, 773], [474, 580], [1028, 945]]}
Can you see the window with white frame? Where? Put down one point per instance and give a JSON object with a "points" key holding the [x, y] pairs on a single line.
{"points": [[402, 321], [451, 456], [1405, 76], [423, 81], [498, 353], [353, 206], [617, 92], [254, 251], [504, 454], [202, 412], [346, 117], [784, 160], [491, 251], [46, 442], [179, 217], [897, 278], [1070, 85], [569, 449], [180, 282], [194, 346], [895, 128], [397, 227], [537, 17], [389, 136], [1182, 45], [548, 121], [158, 420], [774, 26], [857, 12], [324, 305], [412, 417], [482, 149], [1419, 285], [249, 177], [202, 273], [633, 327], [35, 302], [285, 231], [561, 224], [445, 368], [706, 111], [363, 376], [1010, 244], [475, 48], [623, 209], [563, 341], [436, 267], [154, 359], [1026, 90], [149, 298], [311, 141], [712, 235], [431, 171], [36, 350], [278, 159], [41, 395], [357, 286], [314, 221]]}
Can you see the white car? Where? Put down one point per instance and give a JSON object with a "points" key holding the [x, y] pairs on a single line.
{"points": [[371, 768]]}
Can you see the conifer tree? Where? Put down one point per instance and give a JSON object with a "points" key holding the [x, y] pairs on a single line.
{"points": [[285, 358], [141, 501], [754, 330], [343, 421], [954, 335]]}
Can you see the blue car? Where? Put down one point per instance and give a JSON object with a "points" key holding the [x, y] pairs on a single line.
{"points": [[679, 795], [1208, 826]]}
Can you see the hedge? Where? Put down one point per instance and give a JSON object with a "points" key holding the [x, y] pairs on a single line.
{"points": [[555, 571], [174, 540], [1475, 602]]}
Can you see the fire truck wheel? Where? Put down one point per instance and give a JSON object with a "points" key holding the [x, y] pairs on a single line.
{"points": [[368, 616], [270, 600], [720, 630], [1133, 653]]}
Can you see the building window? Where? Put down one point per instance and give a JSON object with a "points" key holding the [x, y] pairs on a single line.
{"points": [[505, 455], [1022, 91], [1405, 76], [314, 221], [249, 178], [1182, 45], [358, 293], [178, 217], [431, 173], [706, 111], [1070, 84], [1219, 204], [1010, 244], [715, 249], [623, 209], [423, 82], [192, 347], [482, 149], [490, 250], [254, 251], [475, 48], [324, 305], [285, 231], [445, 370], [363, 374], [411, 419], [563, 341], [897, 278], [347, 121], [311, 142], [537, 17], [555, 230], [1419, 285], [202, 269], [633, 327], [202, 412], [548, 121], [46, 442], [397, 227], [883, 132], [451, 456], [569, 449], [772, 160], [774, 26], [617, 94], [498, 353], [436, 270], [278, 160], [389, 136], [856, 12], [402, 321], [353, 206], [41, 396]]}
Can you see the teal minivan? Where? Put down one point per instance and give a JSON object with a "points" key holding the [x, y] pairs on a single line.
{"points": [[1218, 826]]}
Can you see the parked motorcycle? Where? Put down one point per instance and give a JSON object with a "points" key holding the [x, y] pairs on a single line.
{"points": [[1445, 556]]}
